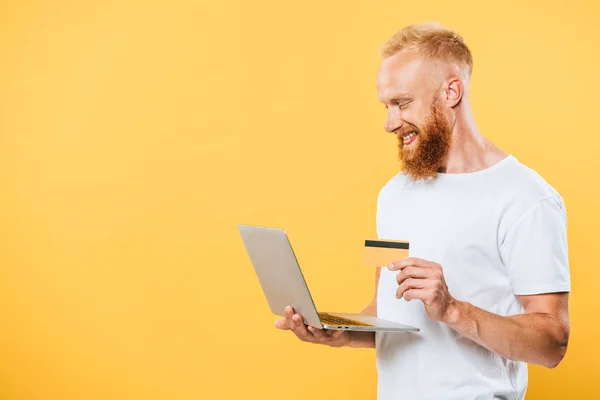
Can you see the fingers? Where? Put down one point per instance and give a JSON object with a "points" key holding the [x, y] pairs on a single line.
{"points": [[406, 262], [317, 333], [289, 313], [419, 294], [325, 336], [306, 333], [415, 277], [416, 273], [413, 272], [296, 325], [411, 284], [300, 329]]}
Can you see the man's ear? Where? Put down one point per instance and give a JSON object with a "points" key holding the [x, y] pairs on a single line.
{"points": [[454, 92]]}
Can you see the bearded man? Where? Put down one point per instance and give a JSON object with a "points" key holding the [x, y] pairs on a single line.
{"points": [[487, 280]]}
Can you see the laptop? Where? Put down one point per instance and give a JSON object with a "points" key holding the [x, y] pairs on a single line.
{"points": [[283, 284]]}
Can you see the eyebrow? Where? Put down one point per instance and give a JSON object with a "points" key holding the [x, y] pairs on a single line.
{"points": [[399, 98]]}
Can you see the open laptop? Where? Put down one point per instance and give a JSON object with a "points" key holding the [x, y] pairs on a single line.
{"points": [[283, 284]]}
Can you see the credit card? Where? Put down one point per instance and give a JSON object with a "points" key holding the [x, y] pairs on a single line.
{"points": [[382, 252]]}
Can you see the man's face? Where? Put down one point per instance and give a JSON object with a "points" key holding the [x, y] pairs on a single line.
{"points": [[415, 113]]}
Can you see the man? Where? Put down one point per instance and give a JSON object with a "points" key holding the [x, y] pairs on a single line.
{"points": [[488, 277]]}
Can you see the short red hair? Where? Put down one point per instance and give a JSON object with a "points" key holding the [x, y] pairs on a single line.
{"points": [[432, 41]]}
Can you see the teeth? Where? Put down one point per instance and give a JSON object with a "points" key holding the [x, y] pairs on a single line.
{"points": [[409, 136]]}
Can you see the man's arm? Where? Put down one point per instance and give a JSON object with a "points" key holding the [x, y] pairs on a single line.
{"points": [[367, 339], [371, 308], [332, 338], [539, 336]]}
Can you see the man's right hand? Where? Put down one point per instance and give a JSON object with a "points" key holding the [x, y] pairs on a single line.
{"points": [[294, 322]]}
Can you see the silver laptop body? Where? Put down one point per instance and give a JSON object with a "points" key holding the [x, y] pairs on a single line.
{"points": [[283, 284]]}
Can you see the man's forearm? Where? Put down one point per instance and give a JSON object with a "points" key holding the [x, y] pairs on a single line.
{"points": [[364, 339], [360, 340], [534, 338]]}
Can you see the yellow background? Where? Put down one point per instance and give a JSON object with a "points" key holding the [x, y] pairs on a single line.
{"points": [[135, 136]]}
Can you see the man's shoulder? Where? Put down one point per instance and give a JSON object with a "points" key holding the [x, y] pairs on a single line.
{"points": [[524, 190], [519, 185], [529, 185]]}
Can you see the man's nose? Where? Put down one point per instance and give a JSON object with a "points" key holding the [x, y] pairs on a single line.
{"points": [[393, 122]]}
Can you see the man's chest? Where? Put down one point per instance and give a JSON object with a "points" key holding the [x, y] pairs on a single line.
{"points": [[462, 236]]}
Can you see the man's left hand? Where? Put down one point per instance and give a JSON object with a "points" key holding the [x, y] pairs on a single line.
{"points": [[424, 280]]}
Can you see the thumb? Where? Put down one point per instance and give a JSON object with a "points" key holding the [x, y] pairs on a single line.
{"points": [[281, 324]]}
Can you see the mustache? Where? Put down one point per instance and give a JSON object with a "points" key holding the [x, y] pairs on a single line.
{"points": [[405, 131]]}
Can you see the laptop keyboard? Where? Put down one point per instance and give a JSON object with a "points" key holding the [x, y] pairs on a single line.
{"points": [[329, 319]]}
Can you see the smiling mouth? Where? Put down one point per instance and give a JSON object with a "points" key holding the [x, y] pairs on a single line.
{"points": [[408, 138]]}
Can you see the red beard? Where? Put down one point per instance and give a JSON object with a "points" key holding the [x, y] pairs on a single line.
{"points": [[423, 159]]}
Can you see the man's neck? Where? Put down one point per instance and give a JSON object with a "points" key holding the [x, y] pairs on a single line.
{"points": [[470, 150]]}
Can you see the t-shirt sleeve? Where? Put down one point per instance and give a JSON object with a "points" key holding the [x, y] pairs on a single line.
{"points": [[535, 251]]}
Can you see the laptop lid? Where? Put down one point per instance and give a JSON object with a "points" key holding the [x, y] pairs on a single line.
{"points": [[278, 271]]}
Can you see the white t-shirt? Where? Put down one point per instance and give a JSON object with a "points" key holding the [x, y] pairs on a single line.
{"points": [[497, 233]]}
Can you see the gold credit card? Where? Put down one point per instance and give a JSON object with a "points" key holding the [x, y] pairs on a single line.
{"points": [[381, 252]]}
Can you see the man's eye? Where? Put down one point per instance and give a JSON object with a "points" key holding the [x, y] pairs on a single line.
{"points": [[403, 106]]}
